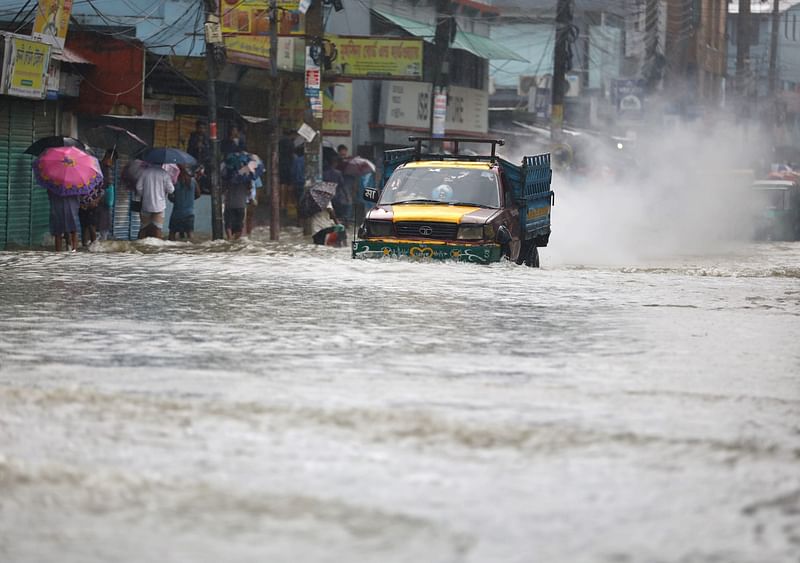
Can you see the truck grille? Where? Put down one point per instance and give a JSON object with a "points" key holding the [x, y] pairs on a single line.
{"points": [[421, 229]]}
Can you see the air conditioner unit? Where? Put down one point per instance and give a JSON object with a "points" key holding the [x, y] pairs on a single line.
{"points": [[526, 82], [573, 85]]}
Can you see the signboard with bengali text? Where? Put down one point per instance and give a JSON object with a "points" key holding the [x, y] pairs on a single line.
{"points": [[253, 50], [371, 57], [337, 109], [337, 102], [25, 67]]}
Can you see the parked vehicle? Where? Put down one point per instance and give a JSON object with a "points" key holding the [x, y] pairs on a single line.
{"points": [[471, 208], [775, 208]]}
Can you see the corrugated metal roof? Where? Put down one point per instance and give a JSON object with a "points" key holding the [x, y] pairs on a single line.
{"points": [[483, 47], [70, 56]]}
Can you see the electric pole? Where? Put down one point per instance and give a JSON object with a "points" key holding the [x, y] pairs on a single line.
{"points": [[444, 36], [313, 150], [561, 64], [275, 97], [773, 50], [742, 50], [212, 21]]}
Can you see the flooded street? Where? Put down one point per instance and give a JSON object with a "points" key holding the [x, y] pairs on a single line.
{"points": [[256, 402]]}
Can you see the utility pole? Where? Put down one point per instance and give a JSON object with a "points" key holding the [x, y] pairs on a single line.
{"points": [[444, 36], [212, 19], [561, 64], [773, 50], [313, 150], [275, 100], [742, 50], [652, 65]]}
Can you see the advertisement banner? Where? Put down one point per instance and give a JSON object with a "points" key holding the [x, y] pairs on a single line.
{"points": [[253, 50], [245, 26], [251, 17], [337, 109], [52, 21], [25, 68], [369, 57], [408, 105], [337, 101], [439, 114], [312, 83], [629, 97], [467, 110]]}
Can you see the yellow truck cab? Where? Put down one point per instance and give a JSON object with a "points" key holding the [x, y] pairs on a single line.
{"points": [[473, 208]]}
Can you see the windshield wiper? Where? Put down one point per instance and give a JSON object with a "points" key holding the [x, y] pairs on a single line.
{"points": [[471, 204], [418, 201]]}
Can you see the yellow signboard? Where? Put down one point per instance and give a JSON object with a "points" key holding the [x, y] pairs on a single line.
{"points": [[250, 50], [367, 57], [25, 68], [337, 109], [52, 21], [251, 17]]}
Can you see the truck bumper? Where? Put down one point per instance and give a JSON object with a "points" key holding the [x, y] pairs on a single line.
{"points": [[479, 253]]}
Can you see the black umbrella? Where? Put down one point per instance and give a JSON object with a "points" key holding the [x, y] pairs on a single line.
{"points": [[168, 156], [45, 143], [113, 137]]}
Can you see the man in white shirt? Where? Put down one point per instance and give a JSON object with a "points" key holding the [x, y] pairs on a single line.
{"points": [[153, 187]]}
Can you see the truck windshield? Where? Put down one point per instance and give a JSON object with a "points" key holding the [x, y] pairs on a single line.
{"points": [[442, 184]]}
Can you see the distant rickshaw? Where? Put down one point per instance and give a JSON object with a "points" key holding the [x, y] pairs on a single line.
{"points": [[775, 207]]}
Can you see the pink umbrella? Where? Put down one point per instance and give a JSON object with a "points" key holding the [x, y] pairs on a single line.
{"points": [[67, 171], [358, 166]]}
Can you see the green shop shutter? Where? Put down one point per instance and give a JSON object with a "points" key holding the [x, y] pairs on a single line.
{"points": [[19, 174], [24, 206], [5, 155]]}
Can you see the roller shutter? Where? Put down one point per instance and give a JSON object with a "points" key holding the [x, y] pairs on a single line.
{"points": [[24, 207], [4, 160]]}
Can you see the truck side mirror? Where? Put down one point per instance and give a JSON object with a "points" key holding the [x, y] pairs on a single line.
{"points": [[371, 195]]}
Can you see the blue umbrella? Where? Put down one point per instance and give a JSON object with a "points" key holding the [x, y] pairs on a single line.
{"points": [[241, 168], [168, 156]]}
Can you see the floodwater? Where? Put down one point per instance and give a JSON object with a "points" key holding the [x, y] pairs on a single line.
{"points": [[255, 402]]}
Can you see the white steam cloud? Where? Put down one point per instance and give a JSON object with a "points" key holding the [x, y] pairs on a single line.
{"points": [[673, 192]]}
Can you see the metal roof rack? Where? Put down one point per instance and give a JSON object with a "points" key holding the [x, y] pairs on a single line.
{"points": [[455, 156]]}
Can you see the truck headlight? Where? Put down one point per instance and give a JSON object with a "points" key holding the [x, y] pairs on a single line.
{"points": [[470, 232], [379, 228]]}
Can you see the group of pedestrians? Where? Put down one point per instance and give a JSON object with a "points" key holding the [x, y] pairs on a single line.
{"points": [[154, 187], [239, 198], [90, 215]]}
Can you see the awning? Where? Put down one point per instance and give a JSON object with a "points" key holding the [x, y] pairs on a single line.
{"points": [[69, 56], [480, 46]]}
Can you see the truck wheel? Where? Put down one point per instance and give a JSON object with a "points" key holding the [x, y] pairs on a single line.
{"points": [[528, 254], [532, 261]]}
